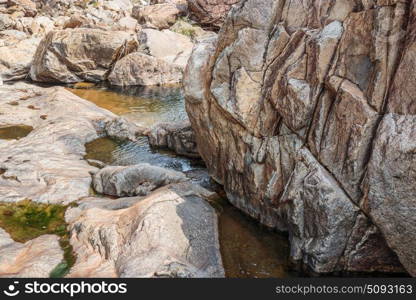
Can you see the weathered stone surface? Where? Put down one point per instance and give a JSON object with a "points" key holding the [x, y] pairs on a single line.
{"points": [[170, 233], [27, 6], [47, 166], [80, 54], [15, 60], [135, 180], [285, 78], [167, 45], [142, 69], [178, 137], [33, 259], [210, 13]]}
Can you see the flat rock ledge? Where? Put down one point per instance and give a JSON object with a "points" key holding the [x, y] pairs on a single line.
{"points": [[34, 259]]}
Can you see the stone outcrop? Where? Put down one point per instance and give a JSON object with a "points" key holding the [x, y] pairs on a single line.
{"points": [[135, 180], [80, 54], [178, 137], [210, 13], [305, 113], [170, 233], [33, 259], [142, 69]]}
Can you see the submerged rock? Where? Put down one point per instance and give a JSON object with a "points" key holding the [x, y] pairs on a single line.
{"points": [[33, 259], [170, 233], [135, 180], [178, 137], [287, 103], [80, 54]]}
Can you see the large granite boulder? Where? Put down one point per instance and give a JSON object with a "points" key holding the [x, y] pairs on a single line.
{"points": [[210, 13], [291, 106], [34, 259], [170, 233], [80, 54], [159, 16]]}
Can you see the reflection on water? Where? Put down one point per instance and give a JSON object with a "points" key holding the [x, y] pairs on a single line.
{"points": [[14, 132], [142, 105], [129, 153], [248, 249]]}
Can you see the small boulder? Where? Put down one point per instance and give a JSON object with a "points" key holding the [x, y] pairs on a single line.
{"points": [[167, 45]]}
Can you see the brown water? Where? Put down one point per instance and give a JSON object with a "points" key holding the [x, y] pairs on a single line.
{"points": [[14, 132], [248, 249]]}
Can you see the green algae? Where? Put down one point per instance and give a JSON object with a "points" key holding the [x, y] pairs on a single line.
{"points": [[26, 220]]}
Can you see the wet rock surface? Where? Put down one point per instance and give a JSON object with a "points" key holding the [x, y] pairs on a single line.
{"points": [[290, 103]]}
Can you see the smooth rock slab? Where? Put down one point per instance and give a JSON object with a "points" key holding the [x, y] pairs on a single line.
{"points": [[170, 233], [35, 258]]}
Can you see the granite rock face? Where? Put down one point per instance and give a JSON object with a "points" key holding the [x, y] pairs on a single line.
{"points": [[305, 110], [176, 136], [170, 233]]}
